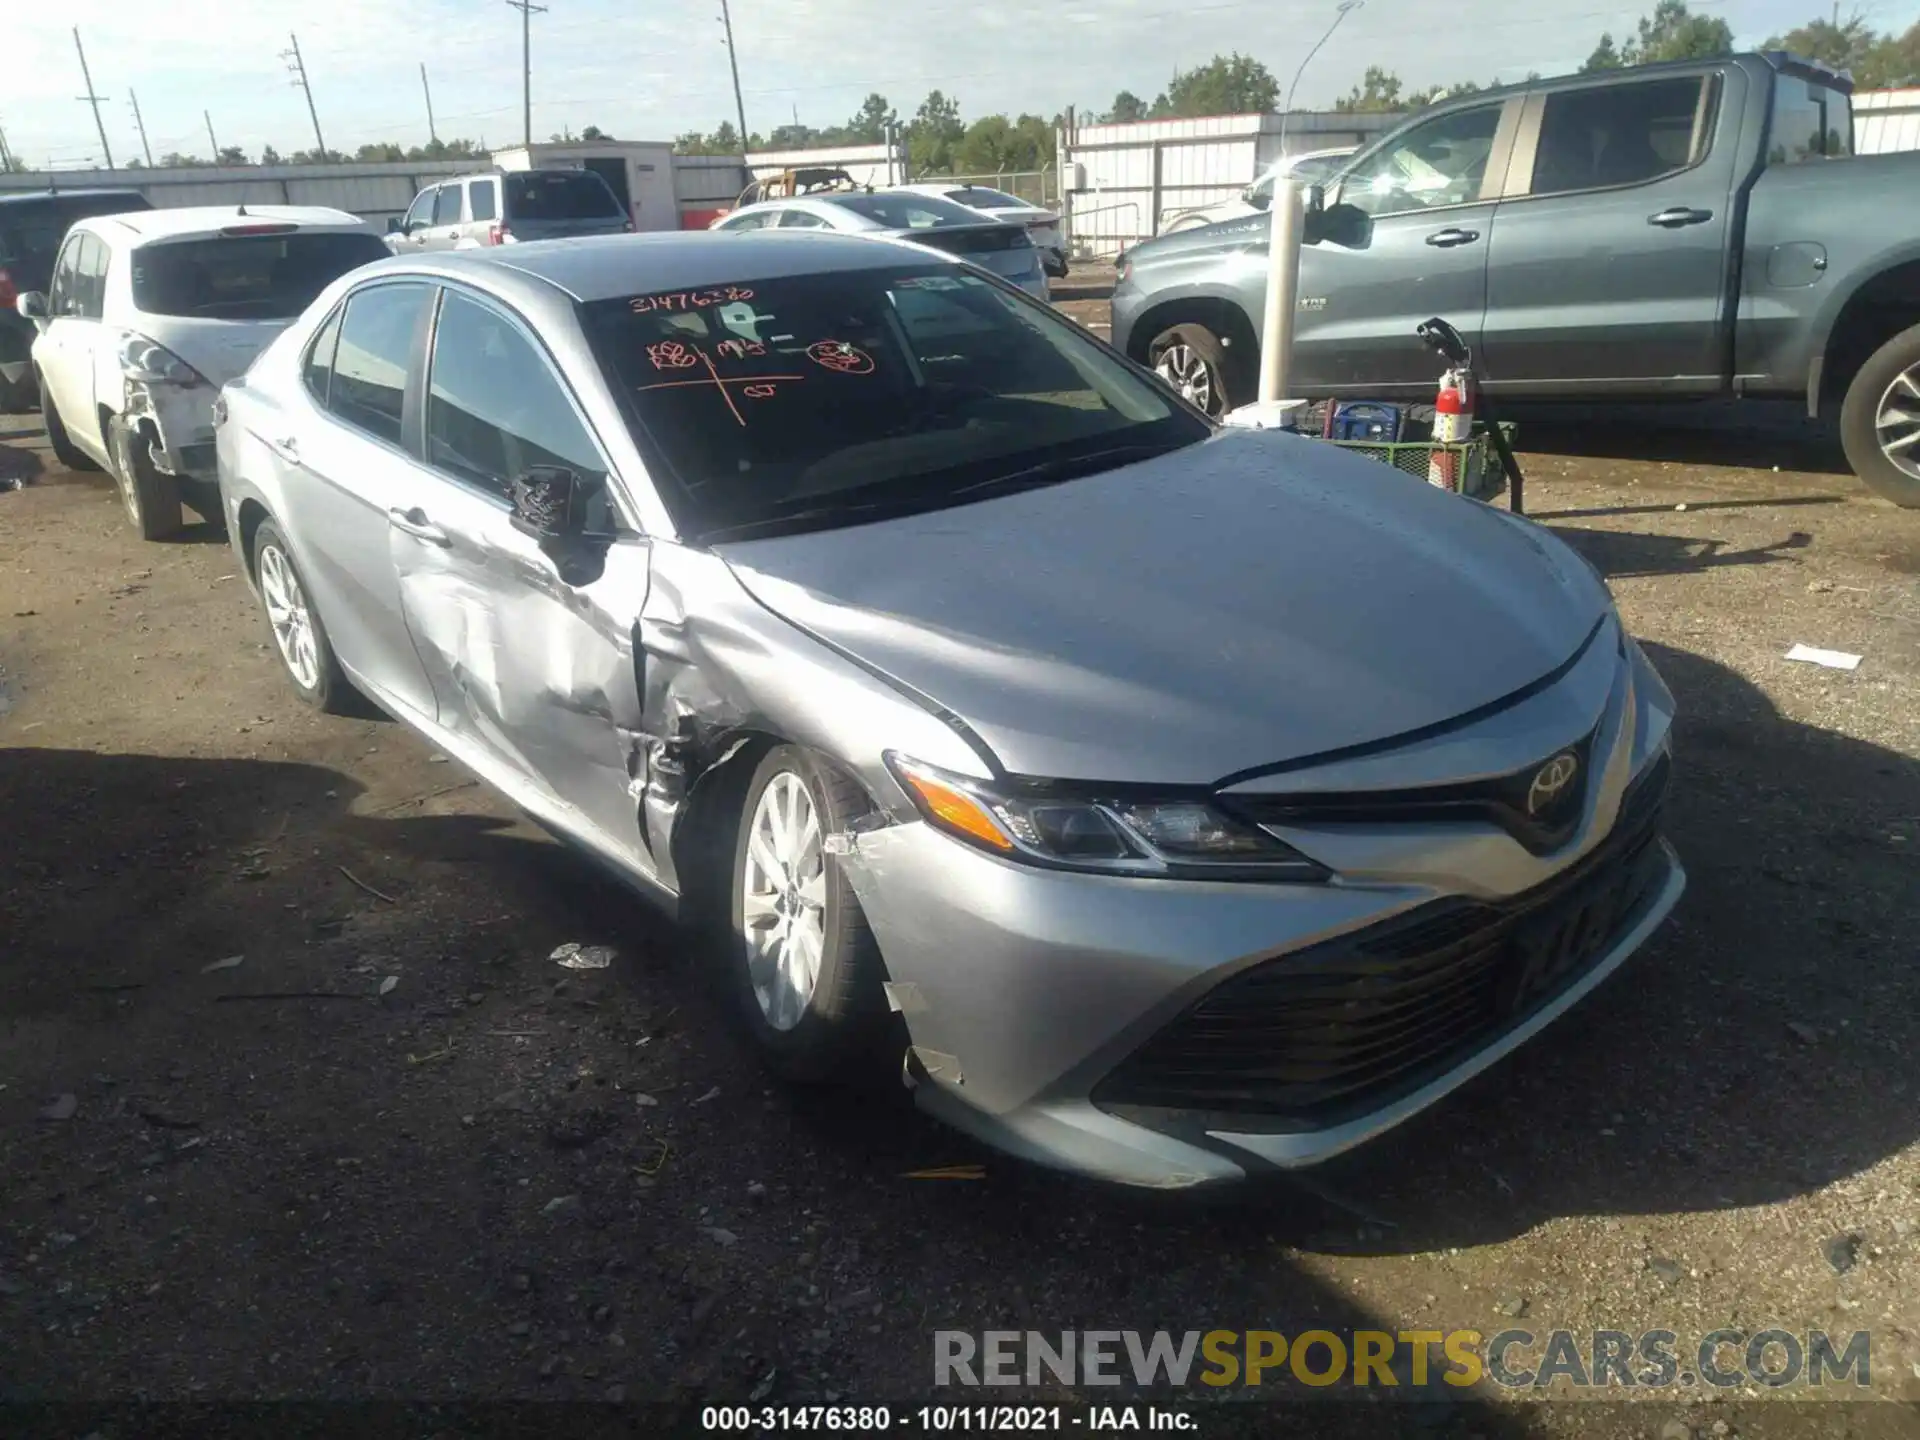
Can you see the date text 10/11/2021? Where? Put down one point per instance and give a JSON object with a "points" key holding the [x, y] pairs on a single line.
{"points": [[948, 1419]]}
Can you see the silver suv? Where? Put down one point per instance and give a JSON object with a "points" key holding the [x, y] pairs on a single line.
{"points": [[503, 208]]}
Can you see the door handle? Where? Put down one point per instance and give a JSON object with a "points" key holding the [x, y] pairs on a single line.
{"points": [[414, 522], [1675, 216], [1445, 239]]}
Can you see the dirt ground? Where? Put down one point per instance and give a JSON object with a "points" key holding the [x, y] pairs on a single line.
{"points": [[294, 1104]]}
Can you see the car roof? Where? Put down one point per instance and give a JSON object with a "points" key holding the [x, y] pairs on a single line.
{"points": [[146, 226], [607, 267]]}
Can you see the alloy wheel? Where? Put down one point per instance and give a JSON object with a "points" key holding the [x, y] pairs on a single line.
{"points": [[784, 900], [290, 617], [1182, 367], [1896, 422]]}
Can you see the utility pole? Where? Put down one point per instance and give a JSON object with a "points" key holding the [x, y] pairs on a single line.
{"points": [[527, 12], [739, 105], [432, 134], [6, 155], [145, 148], [92, 99], [207, 115], [298, 68]]}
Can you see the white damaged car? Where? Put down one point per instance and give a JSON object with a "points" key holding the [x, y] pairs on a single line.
{"points": [[150, 313]]}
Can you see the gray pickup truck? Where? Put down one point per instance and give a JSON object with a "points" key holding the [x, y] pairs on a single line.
{"points": [[1686, 230]]}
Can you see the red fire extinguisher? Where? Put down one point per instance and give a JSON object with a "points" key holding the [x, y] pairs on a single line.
{"points": [[1452, 425]]}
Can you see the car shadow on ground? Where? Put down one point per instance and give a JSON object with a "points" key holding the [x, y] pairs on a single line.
{"points": [[18, 464], [1756, 435], [1621, 554]]}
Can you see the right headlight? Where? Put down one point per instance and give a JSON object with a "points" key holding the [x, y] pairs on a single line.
{"points": [[1043, 823]]}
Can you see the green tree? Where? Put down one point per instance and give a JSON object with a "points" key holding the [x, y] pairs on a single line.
{"points": [[994, 145], [593, 132], [1127, 108], [870, 122], [385, 152], [1605, 56], [270, 156], [1378, 90], [934, 134], [174, 160], [1877, 61], [232, 155], [1670, 32], [1233, 84]]}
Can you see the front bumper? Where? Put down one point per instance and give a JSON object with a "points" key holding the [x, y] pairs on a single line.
{"points": [[1033, 997]]}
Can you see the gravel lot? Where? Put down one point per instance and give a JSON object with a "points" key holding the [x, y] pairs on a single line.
{"points": [[394, 1151]]}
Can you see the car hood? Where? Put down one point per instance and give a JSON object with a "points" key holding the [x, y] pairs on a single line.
{"points": [[1238, 231], [1249, 600]]}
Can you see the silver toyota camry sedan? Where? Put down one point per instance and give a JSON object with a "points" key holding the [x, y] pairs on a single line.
{"points": [[1182, 803]]}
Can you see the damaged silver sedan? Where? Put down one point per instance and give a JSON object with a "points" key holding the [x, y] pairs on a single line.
{"points": [[1188, 803]]}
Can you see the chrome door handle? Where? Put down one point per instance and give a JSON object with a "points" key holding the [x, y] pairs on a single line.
{"points": [[1450, 237], [414, 522], [1675, 216]]}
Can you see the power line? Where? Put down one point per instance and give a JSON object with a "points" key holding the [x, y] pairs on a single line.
{"points": [[92, 99], [527, 12], [298, 68], [145, 148]]}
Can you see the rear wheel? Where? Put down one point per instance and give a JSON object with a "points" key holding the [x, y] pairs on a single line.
{"points": [[1191, 359], [64, 450], [805, 969], [152, 499], [1880, 420]]}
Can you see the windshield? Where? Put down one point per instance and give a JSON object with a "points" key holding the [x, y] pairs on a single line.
{"points": [[981, 199], [819, 400], [563, 195], [246, 277], [898, 210]]}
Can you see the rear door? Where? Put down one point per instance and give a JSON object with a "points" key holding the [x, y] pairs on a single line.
{"points": [[1609, 267], [345, 474], [68, 352], [1430, 195], [551, 204], [536, 672], [483, 212]]}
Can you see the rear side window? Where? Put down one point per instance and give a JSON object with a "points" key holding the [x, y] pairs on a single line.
{"points": [[90, 278], [369, 382], [754, 220], [560, 195], [480, 200], [1616, 135], [898, 211], [446, 205], [1810, 122], [318, 369], [494, 407], [982, 199], [246, 277]]}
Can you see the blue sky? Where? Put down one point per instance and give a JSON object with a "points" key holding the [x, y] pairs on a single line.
{"points": [[649, 69]]}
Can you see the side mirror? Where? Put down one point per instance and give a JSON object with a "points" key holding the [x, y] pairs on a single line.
{"points": [[550, 507], [1253, 196], [32, 305], [1345, 225], [396, 225]]}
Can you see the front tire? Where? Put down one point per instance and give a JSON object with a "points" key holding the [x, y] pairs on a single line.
{"points": [[1193, 362], [805, 970], [299, 638], [152, 499], [1880, 420], [64, 450]]}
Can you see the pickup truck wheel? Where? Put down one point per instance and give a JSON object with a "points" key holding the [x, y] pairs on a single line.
{"points": [[1191, 359], [1880, 420], [64, 450], [152, 499]]}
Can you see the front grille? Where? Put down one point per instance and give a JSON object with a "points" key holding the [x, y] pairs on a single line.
{"points": [[1507, 801], [983, 240], [1320, 1036]]}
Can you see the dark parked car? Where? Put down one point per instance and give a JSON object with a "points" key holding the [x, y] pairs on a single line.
{"points": [[1695, 229], [32, 225]]}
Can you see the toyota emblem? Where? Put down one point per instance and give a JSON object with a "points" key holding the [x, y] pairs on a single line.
{"points": [[1551, 782]]}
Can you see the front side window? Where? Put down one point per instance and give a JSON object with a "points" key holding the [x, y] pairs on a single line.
{"points": [[1442, 162], [90, 278], [811, 401], [60, 298], [495, 409], [1624, 134], [1810, 122], [560, 195], [317, 368], [421, 209], [370, 364], [480, 200], [246, 277]]}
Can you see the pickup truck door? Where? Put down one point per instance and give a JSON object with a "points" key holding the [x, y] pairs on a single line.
{"points": [[1430, 193], [1609, 267]]}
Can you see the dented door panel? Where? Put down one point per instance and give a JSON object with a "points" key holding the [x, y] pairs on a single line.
{"points": [[537, 673]]}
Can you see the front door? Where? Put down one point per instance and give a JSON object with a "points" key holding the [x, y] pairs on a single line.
{"points": [[1430, 195], [345, 472], [536, 672], [1609, 268], [413, 229]]}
